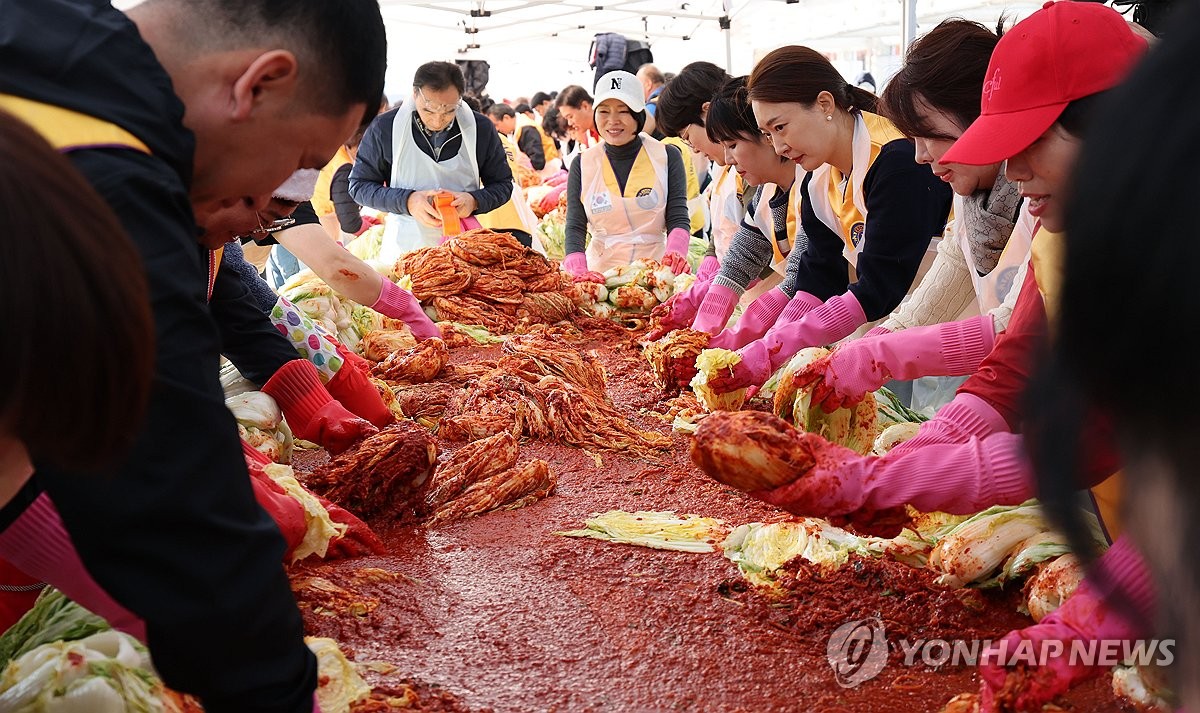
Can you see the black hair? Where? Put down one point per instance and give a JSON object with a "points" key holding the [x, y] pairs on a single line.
{"points": [[730, 117], [342, 45], [539, 98], [500, 111], [438, 76], [472, 103], [1077, 115], [943, 70], [681, 102], [522, 108], [554, 124], [1122, 295], [574, 96]]}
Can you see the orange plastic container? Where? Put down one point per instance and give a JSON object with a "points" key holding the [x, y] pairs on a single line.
{"points": [[451, 225]]}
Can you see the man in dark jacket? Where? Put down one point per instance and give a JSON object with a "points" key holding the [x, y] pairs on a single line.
{"points": [[172, 531], [434, 154]]}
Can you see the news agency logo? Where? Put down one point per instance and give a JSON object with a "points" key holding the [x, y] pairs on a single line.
{"points": [[857, 651]]}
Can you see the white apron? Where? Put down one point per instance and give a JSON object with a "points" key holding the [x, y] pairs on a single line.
{"points": [[412, 168], [725, 209], [992, 289], [765, 222], [630, 225]]}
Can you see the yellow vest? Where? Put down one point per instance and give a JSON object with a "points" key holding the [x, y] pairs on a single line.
{"points": [[510, 216], [322, 201], [548, 146], [695, 206], [69, 130]]}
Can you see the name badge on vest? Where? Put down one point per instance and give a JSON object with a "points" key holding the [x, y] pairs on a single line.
{"points": [[647, 199], [601, 203]]}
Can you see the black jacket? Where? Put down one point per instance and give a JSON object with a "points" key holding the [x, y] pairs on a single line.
{"points": [[906, 208], [174, 532], [372, 170]]}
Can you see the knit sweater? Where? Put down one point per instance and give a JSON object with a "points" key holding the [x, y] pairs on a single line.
{"points": [[750, 254]]}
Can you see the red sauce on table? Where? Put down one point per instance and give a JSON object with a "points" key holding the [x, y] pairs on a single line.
{"points": [[499, 614]]}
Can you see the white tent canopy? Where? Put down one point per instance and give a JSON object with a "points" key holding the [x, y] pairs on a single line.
{"points": [[541, 45]]}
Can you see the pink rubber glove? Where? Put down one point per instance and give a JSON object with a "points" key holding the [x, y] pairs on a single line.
{"points": [[715, 310], [962, 461], [679, 311], [558, 179], [312, 413], [797, 307], [708, 269], [754, 322], [550, 200], [398, 303], [1084, 617], [877, 332], [675, 256], [576, 265], [863, 365], [839, 316]]}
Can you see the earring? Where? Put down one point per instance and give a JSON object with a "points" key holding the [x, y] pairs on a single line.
{"points": [[828, 117]]}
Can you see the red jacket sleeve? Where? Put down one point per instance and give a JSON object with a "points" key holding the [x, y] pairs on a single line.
{"points": [[1004, 373]]}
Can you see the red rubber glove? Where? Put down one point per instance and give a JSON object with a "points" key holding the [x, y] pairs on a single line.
{"points": [[675, 256], [679, 311], [576, 265], [354, 390], [550, 200], [286, 511], [1084, 617], [312, 413], [861, 366], [358, 541], [398, 303]]}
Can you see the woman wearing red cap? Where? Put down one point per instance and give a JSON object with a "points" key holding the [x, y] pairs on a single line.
{"points": [[1042, 84], [866, 205], [629, 190]]}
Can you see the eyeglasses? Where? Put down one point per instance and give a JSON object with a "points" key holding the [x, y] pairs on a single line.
{"points": [[438, 109], [265, 229]]}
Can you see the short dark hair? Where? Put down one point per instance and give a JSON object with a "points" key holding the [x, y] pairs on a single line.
{"points": [[573, 96], [341, 45], [730, 117], [522, 108], [553, 123], [68, 259], [682, 101], [944, 70], [500, 111], [472, 103], [438, 76], [540, 98]]}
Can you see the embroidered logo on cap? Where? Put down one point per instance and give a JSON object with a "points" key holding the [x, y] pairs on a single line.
{"points": [[991, 85], [616, 83]]}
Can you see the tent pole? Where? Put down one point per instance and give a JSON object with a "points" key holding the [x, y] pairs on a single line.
{"points": [[908, 25]]}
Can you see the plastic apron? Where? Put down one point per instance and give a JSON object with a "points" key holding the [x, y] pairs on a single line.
{"points": [[412, 168], [991, 289], [844, 210], [516, 213], [629, 225], [725, 209]]}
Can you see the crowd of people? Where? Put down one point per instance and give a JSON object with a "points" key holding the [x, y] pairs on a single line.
{"points": [[1008, 209]]}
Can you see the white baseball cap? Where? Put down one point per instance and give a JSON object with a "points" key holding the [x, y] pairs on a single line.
{"points": [[622, 86]]}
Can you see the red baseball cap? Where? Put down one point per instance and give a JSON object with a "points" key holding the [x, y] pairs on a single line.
{"points": [[1065, 51]]}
